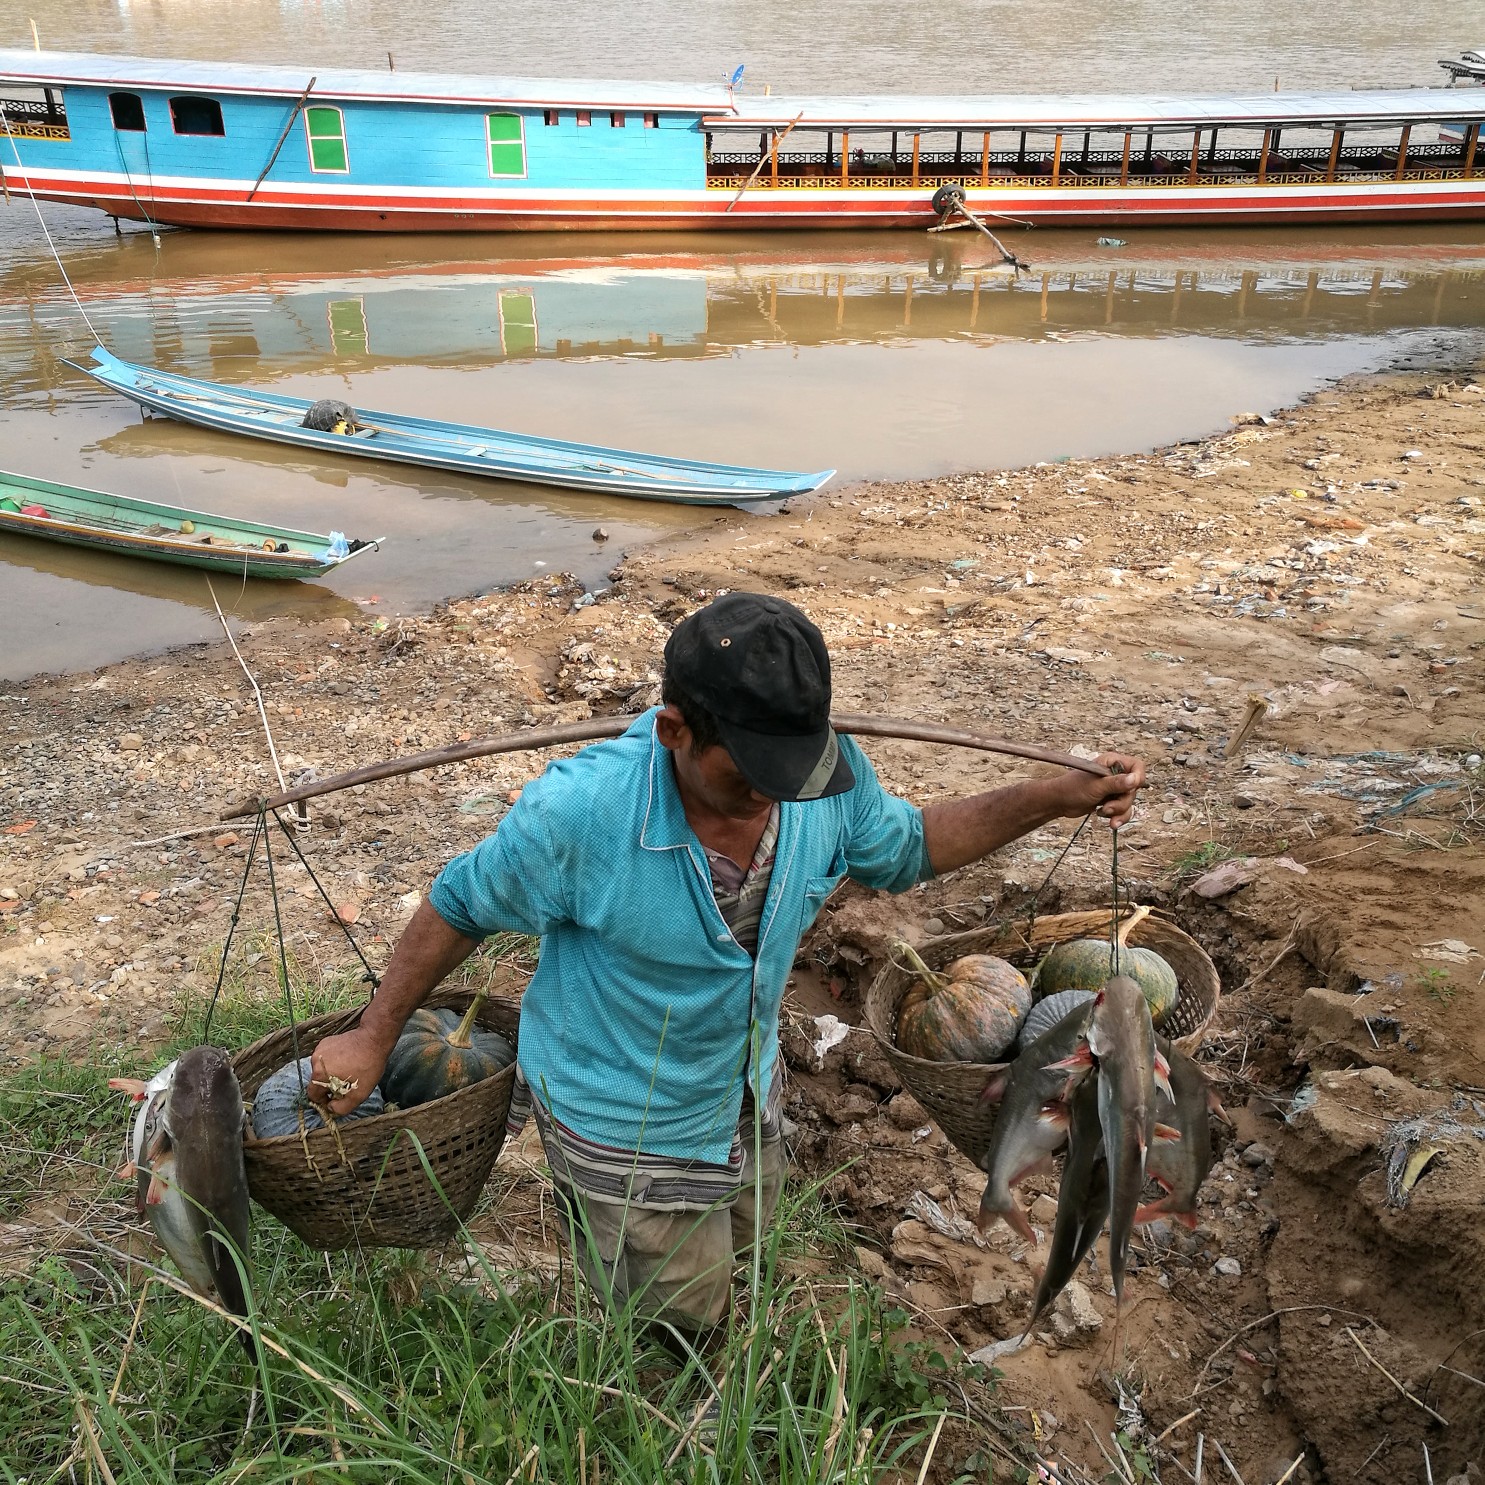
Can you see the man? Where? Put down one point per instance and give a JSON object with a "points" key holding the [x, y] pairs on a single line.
{"points": [[671, 874]]}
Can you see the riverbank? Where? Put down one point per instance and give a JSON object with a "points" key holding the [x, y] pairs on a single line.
{"points": [[1326, 559]]}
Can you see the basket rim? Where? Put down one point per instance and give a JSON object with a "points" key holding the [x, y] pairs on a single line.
{"points": [[267, 1144]]}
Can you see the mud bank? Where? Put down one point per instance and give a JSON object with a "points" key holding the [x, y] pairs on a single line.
{"points": [[1327, 560]]}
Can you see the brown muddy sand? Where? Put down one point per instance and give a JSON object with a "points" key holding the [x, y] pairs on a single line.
{"points": [[1327, 559]]}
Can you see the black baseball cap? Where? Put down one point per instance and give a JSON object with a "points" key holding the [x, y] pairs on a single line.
{"points": [[761, 668]]}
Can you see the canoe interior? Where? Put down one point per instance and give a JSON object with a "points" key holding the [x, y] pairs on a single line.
{"points": [[122, 523]]}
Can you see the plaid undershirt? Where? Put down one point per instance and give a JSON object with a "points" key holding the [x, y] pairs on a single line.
{"points": [[662, 1181]]}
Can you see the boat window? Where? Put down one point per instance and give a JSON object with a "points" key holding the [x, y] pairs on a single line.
{"points": [[325, 129], [191, 115], [517, 323], [348, 334], [506, 137], [127, 110], [584, 118], [549, 118], [616, 120], [652, 121]]}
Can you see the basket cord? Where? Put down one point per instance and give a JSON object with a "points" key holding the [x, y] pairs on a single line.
{"points": [[371, 976], [1061, 855], [283, 960], [1114, 944], [247, 871]]}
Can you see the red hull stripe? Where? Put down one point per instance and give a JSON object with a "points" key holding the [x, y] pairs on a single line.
{"points": [[201, 205]]}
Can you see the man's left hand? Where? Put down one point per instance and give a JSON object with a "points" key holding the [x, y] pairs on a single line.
{"points": [[1112, 796]]}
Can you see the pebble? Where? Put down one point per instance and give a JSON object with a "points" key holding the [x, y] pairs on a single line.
{"points": [[1257, 1155], [1043, 1211], [1229, 1268], [130, 742]]}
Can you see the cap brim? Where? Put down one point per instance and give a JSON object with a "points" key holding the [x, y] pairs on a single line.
{"points": [[796, 768]]}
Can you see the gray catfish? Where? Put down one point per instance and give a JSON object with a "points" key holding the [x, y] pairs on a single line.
{"points": [[1181, 1165], [1121, 1040], [1082, 1199], [1032, 1125], [190, 1176]]}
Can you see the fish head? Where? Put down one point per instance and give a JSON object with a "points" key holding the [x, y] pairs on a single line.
{"points": [[1120, 1025]]}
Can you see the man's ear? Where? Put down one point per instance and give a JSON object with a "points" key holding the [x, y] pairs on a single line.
{"points": [[671, 729]]}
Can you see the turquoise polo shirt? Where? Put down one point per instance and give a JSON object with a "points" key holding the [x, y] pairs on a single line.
{"points": [[637, 1025]]}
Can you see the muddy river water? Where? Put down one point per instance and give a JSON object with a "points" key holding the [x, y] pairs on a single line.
{"points": [[884, 355]]}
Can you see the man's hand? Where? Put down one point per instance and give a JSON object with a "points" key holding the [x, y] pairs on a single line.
{"points": [[1112, 797], [427, 951], [355, 1057], [959, 831]]}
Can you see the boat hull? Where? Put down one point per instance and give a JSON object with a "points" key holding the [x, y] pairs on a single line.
{"points": [[807, 208], [457, 447], [126, 526]]}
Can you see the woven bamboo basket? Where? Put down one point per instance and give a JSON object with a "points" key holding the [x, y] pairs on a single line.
{"points": [[952, 1091], [363, 1184]]}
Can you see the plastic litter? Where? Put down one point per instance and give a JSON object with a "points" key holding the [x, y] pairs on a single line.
{"points": [[339, 547]]}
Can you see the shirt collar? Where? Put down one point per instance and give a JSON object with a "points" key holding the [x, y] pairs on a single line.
{"points": [[665, 826]]}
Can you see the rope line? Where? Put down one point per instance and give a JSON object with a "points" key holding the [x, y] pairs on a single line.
{"points": [[26, 181], [247, 871], [283, 960], [371, 976], [1036, 896]]}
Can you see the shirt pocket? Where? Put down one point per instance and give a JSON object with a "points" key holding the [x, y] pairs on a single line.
{"points": [[816, 890]]}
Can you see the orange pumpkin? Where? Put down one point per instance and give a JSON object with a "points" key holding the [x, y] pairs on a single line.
{"points": [[969, 1013]]}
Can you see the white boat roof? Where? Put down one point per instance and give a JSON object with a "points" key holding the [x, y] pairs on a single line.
{"points": [[1045, 111], [53, 69]]}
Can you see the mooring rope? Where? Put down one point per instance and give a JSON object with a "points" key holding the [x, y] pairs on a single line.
{"points": [[26, 181]]}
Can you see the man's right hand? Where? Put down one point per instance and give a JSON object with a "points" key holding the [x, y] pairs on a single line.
{"points": [[355, 1057]]}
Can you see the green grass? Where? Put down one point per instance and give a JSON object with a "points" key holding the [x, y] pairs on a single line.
{"points": [[1203, 857], [383, 1367], [1438, 984]]}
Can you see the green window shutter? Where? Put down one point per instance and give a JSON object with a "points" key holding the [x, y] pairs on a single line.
{"points": [[326, 130], [517, 324], [507, 143]]}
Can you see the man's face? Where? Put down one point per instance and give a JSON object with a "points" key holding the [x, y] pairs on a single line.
{"points": [[709, 777]]}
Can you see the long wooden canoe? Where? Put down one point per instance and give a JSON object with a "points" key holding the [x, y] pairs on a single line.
{"points": [[165, 533], [456, 446]]}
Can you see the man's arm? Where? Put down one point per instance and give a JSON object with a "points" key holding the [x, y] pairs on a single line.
{"points": [[428, 950], [964, 830]]}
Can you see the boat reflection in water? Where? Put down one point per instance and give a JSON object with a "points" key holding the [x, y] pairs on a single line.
{"points": [[200, 320], [901, 357]]}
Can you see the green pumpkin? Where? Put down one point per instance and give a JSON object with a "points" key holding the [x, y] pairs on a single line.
{"points": [[969, 1013], [439, 1053], [1088, 963]]}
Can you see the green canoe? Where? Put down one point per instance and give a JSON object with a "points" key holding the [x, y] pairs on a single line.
{"points": [[166, 533]]}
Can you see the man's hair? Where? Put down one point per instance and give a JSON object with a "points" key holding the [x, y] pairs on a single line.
{"points": [[704, 730]]}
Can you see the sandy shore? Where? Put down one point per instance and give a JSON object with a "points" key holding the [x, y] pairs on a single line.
{"points": [[1327, 560]]}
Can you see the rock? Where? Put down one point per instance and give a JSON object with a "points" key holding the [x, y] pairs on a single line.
{"points": [[130, 742], [1077, 1303], [906, 1113], [222, 842], [870, 1262], [1229, 1268], [1257, 1155], [1043, 1211], [989, 1291]]}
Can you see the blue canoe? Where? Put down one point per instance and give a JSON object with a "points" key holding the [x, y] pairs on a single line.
{"points": [[435, 445]]}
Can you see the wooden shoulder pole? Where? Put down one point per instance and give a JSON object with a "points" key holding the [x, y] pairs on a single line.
{"points": [[531, 739]]}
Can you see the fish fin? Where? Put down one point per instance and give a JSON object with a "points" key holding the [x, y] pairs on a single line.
{"points": [[1019, 1223], [1162, 1077], [1078, 1061], [1215, 1105], [126, 1172], [156, 1193], [995, 1086], [1150, 1212], [1186, 1219], [134, 1087], [1054, 1113], [1042, 1164], [1166, 1135], [158, 1146]]}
